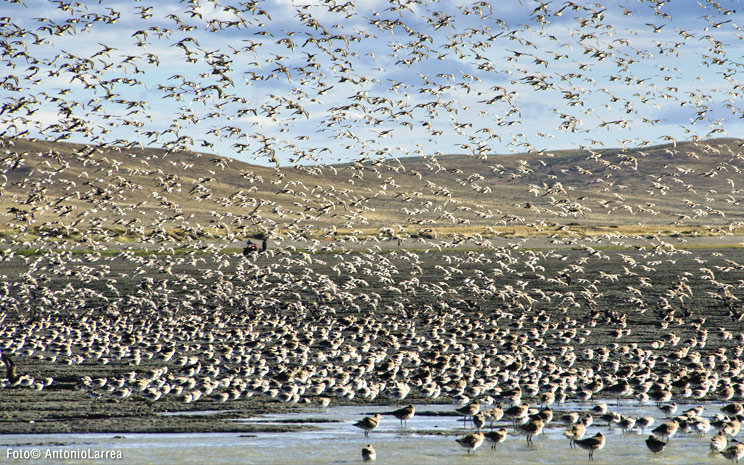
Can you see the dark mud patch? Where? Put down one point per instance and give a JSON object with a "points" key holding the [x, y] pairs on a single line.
{"points": [[299, 421]]}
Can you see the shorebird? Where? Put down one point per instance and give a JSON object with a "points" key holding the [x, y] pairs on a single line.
{"points": [[660, 396], [368, 423], [570, 418], [530, 429], [655, 445], [10, 368], [611, 418], [479, 420], [733, 409], [574, 433], [546, 398], [513, 396], [734, 452], [517, 413], [599, 409], [644, 422], [591, 444], [666, 430], [620, 389], [694, 411], [469, 410], [495, 437], [471, 441], [732, 426], [546, 415], [668, 409], [627, 424], [494, 414], [404, 414], [718, 442], [368, 453], [700, 425]]}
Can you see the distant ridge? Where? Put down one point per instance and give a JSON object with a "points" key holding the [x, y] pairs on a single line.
{"points": [[69, 189]]}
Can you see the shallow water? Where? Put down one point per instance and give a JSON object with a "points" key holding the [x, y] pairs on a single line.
{"points": [[337, 441]]}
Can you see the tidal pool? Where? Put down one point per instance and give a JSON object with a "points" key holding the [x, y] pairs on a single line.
{"points": [[428, 438]]}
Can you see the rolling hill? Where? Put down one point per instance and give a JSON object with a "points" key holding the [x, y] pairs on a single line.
{"points": [[86, 192]]}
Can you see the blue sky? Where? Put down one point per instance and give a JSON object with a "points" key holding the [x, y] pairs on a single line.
{"points": [[305, 82]]}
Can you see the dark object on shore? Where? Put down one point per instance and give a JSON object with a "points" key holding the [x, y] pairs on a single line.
{"points": [[252, 247], [10, 368]]}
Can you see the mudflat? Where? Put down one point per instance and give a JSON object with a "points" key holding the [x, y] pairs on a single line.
{"points": [[126, 342]]}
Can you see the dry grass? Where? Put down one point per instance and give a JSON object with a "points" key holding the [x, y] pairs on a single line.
{"points": [[67, 192]]}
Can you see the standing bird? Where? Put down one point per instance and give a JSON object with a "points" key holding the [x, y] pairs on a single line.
{"points": [[574, 433], [468, 410], [495, 437], [644, 422], [517, 413], [620, 389], [471, 441], [368, 453], [591, 444], [718, 442], [668, 409], [368, 423], [734, 452], [655, 445], [570, 418], [479, 420], [495, 414], [546, 415], [666, 430], [404, 414], [531, 428], [627, 424], [546, 398]]}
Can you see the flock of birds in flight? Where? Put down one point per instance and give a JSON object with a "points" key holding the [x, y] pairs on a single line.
{"points": [[327, 62], [315, 87], [487, 330]]}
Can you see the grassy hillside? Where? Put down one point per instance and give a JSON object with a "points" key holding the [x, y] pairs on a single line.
{"points": [[89, 193]]}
